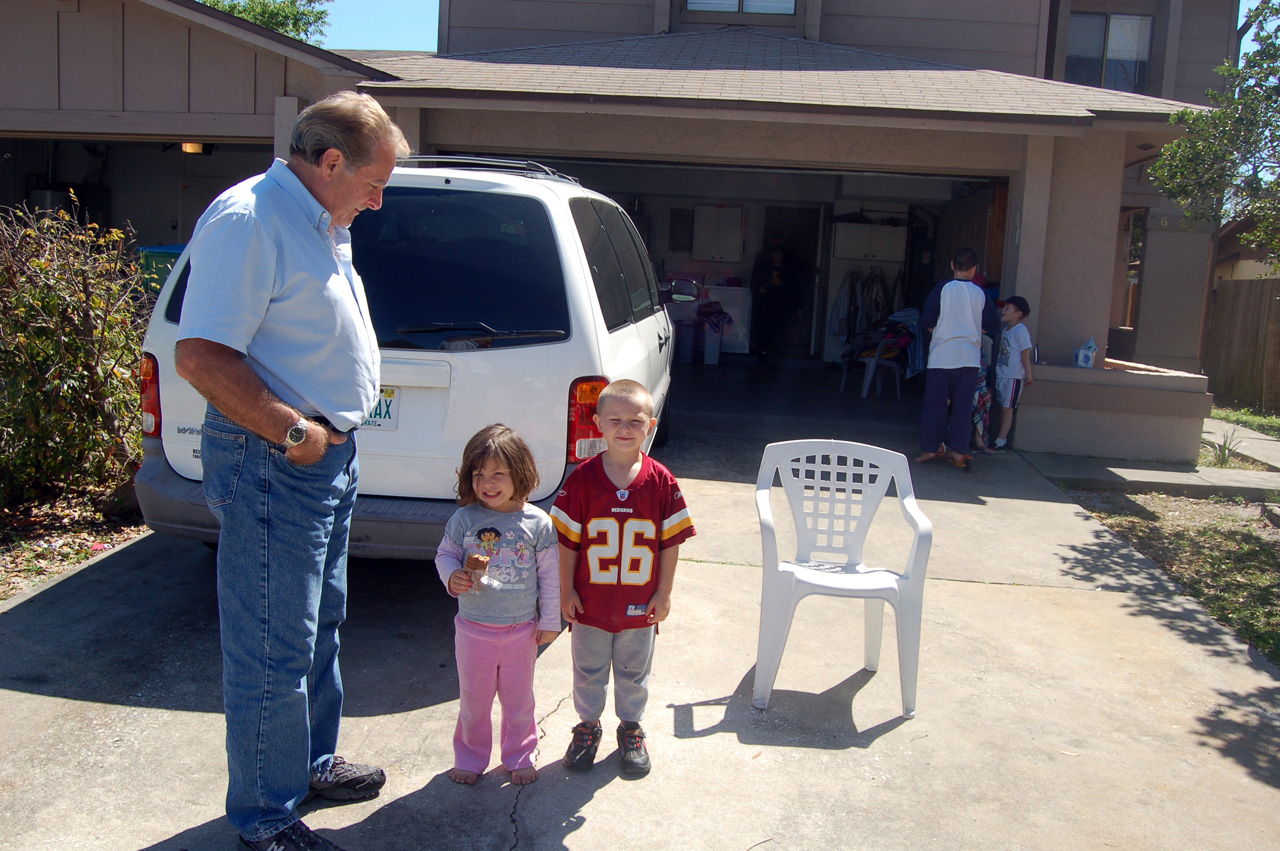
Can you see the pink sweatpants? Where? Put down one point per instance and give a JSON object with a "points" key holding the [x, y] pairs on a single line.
{"points": [[494, 660]]}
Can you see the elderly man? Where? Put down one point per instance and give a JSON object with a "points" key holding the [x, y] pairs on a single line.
{"points": [[275, 334]]}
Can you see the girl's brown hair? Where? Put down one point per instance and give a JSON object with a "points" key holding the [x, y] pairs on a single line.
{"points": [[499, 443]]}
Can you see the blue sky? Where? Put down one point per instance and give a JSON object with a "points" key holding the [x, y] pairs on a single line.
{"points": [[1245, 6], [382, 25]]}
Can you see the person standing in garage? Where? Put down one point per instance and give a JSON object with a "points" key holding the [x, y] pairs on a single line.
{"points": [[275, 334], [956, 312], [776, 288]]}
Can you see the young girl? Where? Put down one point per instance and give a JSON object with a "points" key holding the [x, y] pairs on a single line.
{"points": [[505, 607]]}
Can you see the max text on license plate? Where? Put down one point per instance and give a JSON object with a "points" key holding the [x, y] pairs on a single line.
{"points": [[385, 415]]}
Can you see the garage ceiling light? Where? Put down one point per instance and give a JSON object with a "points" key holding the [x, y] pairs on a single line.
{"points": [[193, 147]]}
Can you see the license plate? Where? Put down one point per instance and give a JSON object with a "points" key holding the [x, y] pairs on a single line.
{"points": [[385, 415]]}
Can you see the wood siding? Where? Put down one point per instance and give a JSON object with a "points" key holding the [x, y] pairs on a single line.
{"points": [[1207, 40], [991, 34], [136, 69], [494, 24]]}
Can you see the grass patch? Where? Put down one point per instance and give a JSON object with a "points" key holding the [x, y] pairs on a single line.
{"points": [[1215, 456], [1252, 418], [1224, 553]]}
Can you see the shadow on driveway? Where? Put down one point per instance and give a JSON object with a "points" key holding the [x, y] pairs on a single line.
{"points": [[140, 628]]}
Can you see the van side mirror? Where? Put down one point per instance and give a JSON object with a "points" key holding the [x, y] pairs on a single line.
{"points": [[679, 290]]}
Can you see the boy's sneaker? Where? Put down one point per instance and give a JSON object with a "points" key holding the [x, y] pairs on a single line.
{"points": [[631, 749], [347, 781], [582, 750], [295, 837]]}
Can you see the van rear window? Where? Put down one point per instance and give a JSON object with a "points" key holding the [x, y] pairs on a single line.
{"points": [[459, 270]]}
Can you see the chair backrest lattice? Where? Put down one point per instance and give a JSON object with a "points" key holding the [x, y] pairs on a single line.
{"points": [[833, 497]]}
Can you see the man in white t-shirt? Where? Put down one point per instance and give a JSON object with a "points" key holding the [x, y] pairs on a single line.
{"points": [[956, 312], [1013, 366]]}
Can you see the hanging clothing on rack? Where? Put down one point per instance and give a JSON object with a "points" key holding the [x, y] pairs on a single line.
{"points": [[838, 321], [873, 300]]}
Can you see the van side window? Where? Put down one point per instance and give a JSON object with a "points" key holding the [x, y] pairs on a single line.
{"points": [[633, 262], [645, 262], [606, 271], [173, 310]]}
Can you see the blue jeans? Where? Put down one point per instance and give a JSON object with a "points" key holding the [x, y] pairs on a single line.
{"points": [[938, 422], [282, 594]]}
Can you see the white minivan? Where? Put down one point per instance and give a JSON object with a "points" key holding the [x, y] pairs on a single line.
{"points": [[500, 292]]}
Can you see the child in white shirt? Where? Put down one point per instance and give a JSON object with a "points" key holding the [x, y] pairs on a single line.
{"points": [[1013, 366]]}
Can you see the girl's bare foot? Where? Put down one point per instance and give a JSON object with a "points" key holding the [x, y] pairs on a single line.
{"points": [[524, 776], [467, 778]]}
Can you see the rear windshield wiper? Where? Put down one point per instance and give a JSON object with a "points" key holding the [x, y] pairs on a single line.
{"points": [[485, 330]]}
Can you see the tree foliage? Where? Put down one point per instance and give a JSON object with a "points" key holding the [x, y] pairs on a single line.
{"points": [[301, 19], [75, 311], [1225, 167]]}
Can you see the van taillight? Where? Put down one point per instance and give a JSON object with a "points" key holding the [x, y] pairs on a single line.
{"points": [[585, 440], [149, 389]]}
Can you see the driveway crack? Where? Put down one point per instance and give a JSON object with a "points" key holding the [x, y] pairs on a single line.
{"points": [[537, 751]]}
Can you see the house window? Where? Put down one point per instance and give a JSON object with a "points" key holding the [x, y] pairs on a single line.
{"points": [[757, 7], [1109, 51]]}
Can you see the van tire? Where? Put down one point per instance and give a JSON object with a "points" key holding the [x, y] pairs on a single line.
{"points": [[663, 434]]}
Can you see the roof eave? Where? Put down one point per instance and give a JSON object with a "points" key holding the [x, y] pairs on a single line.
{"points": [[439, 97]]}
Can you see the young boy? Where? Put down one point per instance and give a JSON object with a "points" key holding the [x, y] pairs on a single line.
{"points": [[1013, 366], [620, 519]]}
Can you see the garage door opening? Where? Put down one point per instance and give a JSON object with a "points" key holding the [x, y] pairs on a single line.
{"points": [[856, 247]]}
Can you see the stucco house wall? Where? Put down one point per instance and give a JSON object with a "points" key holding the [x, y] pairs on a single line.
{"points": [[1084, 210]]}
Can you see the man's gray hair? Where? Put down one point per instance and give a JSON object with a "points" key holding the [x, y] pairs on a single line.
{"points": [[353, 123]]}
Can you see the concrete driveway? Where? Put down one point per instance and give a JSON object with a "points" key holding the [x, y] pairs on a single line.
{"points": [[1069, 697]]}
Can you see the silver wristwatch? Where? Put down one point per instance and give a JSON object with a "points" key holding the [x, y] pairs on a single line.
{"points": [[295, 435]]}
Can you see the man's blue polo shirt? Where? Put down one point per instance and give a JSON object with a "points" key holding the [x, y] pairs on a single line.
{"points": [[271, 279]]}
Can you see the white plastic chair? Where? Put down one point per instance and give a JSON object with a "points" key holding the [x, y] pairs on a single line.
{"points": [[873, 363], [834, 488], [871, 368]]}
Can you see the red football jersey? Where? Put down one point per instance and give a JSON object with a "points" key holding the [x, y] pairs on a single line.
{"points": [[618, 533]]}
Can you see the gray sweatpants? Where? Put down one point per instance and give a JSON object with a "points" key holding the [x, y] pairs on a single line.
{"points": [[629, 653]]}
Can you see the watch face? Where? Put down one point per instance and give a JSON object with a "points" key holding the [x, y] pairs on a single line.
{"points": [[296, 435]]}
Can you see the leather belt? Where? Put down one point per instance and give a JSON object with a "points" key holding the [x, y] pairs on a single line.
{"points": [[324, 421]]}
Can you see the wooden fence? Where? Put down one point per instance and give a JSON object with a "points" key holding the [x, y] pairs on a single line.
{"points": [[1242, 356]]}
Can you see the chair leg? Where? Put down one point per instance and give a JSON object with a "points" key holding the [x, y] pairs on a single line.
{"points": [[908, 615], [872, 633], [866, 379], [776, 613]]}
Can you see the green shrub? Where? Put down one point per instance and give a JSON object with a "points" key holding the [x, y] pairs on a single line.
{"points": [[1221, 454], [74, 312]]}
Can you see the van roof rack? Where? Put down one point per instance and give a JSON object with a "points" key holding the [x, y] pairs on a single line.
{"points": [[496, 163]]}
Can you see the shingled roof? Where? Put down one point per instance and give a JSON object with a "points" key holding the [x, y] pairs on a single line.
{"points": [[748, 69]]}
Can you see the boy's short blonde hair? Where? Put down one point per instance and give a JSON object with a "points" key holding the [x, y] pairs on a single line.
{"points": [[628, 390]]}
